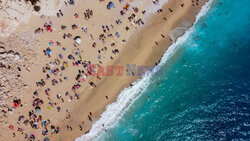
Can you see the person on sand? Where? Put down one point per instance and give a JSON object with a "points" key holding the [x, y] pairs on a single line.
{"points": [[76, 15], [94, 45], [159, 10], [58, 109], [84, 29], [70, 128], [26, 136], [92, 84], [76, 95], [60, 11], [72, 2], [80, 127], [58, 96], [156, 43], [170, 9], [67, 128], [127, 28], [90, 119]]}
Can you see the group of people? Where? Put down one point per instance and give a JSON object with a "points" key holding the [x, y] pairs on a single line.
{"points": [[54, 70]]}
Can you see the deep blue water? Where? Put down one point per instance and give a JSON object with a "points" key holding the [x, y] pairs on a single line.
{"points": [[204, 93]]}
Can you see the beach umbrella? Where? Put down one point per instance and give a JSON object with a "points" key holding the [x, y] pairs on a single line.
{"points": [[15, 104], [38, 110], [78, 40], [110, 4], [117, 34], [126, 6], [32, 137], [48, 51]]}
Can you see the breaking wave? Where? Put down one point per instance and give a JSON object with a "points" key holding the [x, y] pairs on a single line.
{"points": [[126, 98]]}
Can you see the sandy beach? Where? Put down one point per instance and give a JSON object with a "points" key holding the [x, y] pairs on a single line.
{"points": [[50, 88]]}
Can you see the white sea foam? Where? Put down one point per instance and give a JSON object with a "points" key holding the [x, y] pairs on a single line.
{"points": [[115, 111]]}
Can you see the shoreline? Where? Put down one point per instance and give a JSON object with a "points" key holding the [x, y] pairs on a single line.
{"points": [[136, 88], [140, 49], [126, 81]]}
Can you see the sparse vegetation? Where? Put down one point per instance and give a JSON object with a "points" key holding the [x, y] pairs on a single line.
{"points": [[33, 2], [37, 8]]}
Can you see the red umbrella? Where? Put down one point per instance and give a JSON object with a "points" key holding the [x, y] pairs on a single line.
{"points": [[15, 104]]}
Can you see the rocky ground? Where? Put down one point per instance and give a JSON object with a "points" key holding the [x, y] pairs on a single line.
{"points": [[14, 12], [16, 55]]}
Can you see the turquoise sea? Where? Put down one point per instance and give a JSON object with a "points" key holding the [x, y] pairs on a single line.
{"points": [[204, 92]]}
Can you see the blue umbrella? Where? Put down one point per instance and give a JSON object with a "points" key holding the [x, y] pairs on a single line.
{"points": [[48, 51], [117, 34], [111, 4]]}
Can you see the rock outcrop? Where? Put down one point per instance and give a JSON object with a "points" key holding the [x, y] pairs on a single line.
{"points": [[16, 54]]}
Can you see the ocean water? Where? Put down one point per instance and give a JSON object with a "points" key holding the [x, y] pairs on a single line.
{"points": [[203, 92]]}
